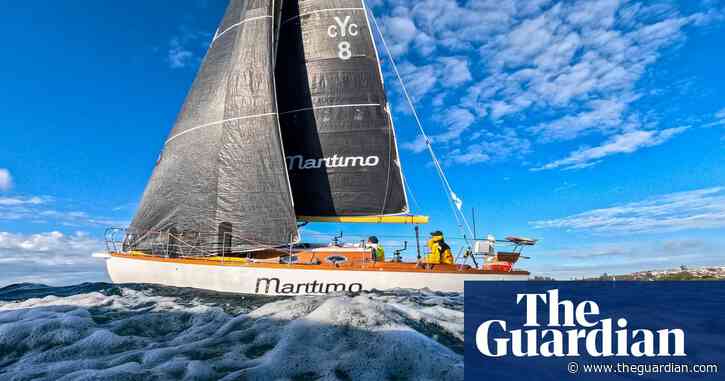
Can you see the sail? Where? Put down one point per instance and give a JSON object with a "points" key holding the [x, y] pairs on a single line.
{"points": [[338, 134], [222, 172]]}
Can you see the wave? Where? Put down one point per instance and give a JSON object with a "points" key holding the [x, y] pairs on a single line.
{"points": [[102, 331]]}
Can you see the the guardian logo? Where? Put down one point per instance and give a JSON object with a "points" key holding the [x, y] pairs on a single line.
{"points": [[298, 162], [572, 328]]}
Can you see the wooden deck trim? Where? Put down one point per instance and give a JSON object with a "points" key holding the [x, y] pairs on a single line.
{"points": [[370, 266]]}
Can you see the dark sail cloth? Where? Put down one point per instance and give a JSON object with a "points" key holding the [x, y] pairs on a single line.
{"points": [[338, 133], [221, 178]]}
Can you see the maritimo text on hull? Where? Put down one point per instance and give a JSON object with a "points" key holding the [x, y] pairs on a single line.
{"points": [[287, 122]]}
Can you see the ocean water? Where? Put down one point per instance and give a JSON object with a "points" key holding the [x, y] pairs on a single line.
{"points": [[100, 331]]}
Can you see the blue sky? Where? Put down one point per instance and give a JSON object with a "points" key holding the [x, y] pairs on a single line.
{"points": [[595, 126]]}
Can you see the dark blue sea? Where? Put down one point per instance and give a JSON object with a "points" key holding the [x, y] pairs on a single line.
{"points": [[100, 331]]}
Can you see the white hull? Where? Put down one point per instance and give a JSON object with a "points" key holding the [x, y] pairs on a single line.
{"points": [[280, 281]]}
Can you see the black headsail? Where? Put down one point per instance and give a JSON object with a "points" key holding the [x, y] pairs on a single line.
{"points": [[338, 133], [222, 169]]}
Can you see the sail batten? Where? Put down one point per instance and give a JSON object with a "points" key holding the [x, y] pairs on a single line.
{"points": [[218, 35], [330, 106], [219, 122]]}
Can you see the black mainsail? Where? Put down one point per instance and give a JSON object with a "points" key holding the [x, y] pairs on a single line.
{"points": [[338, 134], [222, 172]]}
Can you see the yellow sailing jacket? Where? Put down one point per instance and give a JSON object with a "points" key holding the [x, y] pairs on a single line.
{"points": [[440, 252]]}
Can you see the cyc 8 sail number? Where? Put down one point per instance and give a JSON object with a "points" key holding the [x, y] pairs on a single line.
{"points": [[343, 28]]}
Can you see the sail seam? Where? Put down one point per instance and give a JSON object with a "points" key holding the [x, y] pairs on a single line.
{"points": [[331, 106], [219, 122], [321, 10], [217, 36]]}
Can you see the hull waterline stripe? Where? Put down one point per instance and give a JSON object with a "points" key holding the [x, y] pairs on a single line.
{"points": [[332, 106], [321, 10], [216, 37], [219, 122]]}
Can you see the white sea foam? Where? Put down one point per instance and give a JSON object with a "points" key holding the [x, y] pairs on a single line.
{"points": [[139, 334]]}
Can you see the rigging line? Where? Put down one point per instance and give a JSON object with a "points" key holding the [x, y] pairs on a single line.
{"points": [[410, 191], [460, 220], [387, 177], [457, 213]]}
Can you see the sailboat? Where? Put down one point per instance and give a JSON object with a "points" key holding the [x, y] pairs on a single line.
{"points": [[286, 123]]}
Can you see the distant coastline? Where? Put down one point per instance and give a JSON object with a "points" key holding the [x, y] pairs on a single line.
{"points": [[682, 273]]}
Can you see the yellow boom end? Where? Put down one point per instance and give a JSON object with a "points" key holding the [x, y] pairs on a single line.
{"points": [[415, 220]]}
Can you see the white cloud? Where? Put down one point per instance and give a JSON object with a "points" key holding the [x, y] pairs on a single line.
{"points": [[51, 256], [455, 71], [720, 114], [719, 119], [14, 201], [558, 70], [179, 57], [424, 44], [6, 180], [597, 13], [44, 210], [417, 146], [481, 146], [400, 32], [573, 52], [419, 80], [698, 209], [454, 26], [55, 242], [457, 120], [473, 155], [519, 46], [601, 115], [627, 142], [187, 48], [486, 146], [422, 80]]}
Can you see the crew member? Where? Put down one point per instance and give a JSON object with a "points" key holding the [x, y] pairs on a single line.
{"points": [[440, 252], [377, 249]]}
